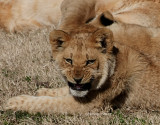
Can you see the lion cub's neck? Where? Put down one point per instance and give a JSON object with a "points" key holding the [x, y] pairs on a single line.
{"points": [[129, 66]]}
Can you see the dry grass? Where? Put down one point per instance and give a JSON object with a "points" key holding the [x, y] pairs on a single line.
{"points": [[26, 65]]}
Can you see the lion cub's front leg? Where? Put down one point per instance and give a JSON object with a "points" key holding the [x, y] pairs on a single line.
{"points": [[47, 104], [53, 92]]}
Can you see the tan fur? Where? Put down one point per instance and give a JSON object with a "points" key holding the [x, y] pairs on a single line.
{"points": [[16, 15], [140, 12], [128, 77]]}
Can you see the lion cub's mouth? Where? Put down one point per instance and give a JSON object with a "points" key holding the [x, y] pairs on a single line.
{"points": [[80, 87]]}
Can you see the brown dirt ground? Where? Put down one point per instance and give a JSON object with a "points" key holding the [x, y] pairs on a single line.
{"points": [[26, 64]]}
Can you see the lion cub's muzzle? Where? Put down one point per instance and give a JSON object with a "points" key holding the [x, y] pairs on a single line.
{"points": [[80, 87]]}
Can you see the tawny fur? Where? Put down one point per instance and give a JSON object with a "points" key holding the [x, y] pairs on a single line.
{"points": [[16, 15], [140, 12], [133, 81], [129, 77]]}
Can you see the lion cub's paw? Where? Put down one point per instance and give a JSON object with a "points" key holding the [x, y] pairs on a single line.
{"points": [[16, 103], [45, 92]]}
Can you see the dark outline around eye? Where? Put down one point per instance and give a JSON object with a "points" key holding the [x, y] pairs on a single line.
{"points": [[90, 61], [59, 43], [103, 43], [68, 60]]}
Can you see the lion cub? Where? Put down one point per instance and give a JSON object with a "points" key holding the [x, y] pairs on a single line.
{"points": [[96, 69]]}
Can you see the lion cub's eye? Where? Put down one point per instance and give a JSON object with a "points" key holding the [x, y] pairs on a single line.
{"points": [[90, 61], [68, 60]]}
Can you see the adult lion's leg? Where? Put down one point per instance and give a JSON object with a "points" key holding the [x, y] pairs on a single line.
{"points": [[46, 104], [53, 92]]}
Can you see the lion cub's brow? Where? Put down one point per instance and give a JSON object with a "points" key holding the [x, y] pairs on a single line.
{"points": [[81, 41], [80, 53], [81, 36]]}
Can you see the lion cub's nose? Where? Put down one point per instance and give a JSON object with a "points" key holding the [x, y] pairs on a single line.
{"points": [[78, 81]]}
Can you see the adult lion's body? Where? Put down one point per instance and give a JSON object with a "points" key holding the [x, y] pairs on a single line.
{"points": [[140, 12], [21, 14], [99, 68]]}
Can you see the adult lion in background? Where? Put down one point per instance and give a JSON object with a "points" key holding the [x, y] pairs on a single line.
{"points": [[19, 15], [98, 69], [16, 15]]}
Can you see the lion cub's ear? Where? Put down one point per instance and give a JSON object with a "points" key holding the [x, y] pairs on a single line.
{"points": [[58, 39], [104, 40]]}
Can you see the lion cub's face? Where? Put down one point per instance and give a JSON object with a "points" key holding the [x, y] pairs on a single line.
{"points": [[84, 57]]}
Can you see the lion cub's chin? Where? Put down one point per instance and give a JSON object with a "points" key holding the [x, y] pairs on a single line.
{"points": [[77, 93]]}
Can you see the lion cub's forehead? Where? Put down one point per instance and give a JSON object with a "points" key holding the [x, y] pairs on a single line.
{"points": [[80, 47], [81, 39], [81, 43], [81, 36]]}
